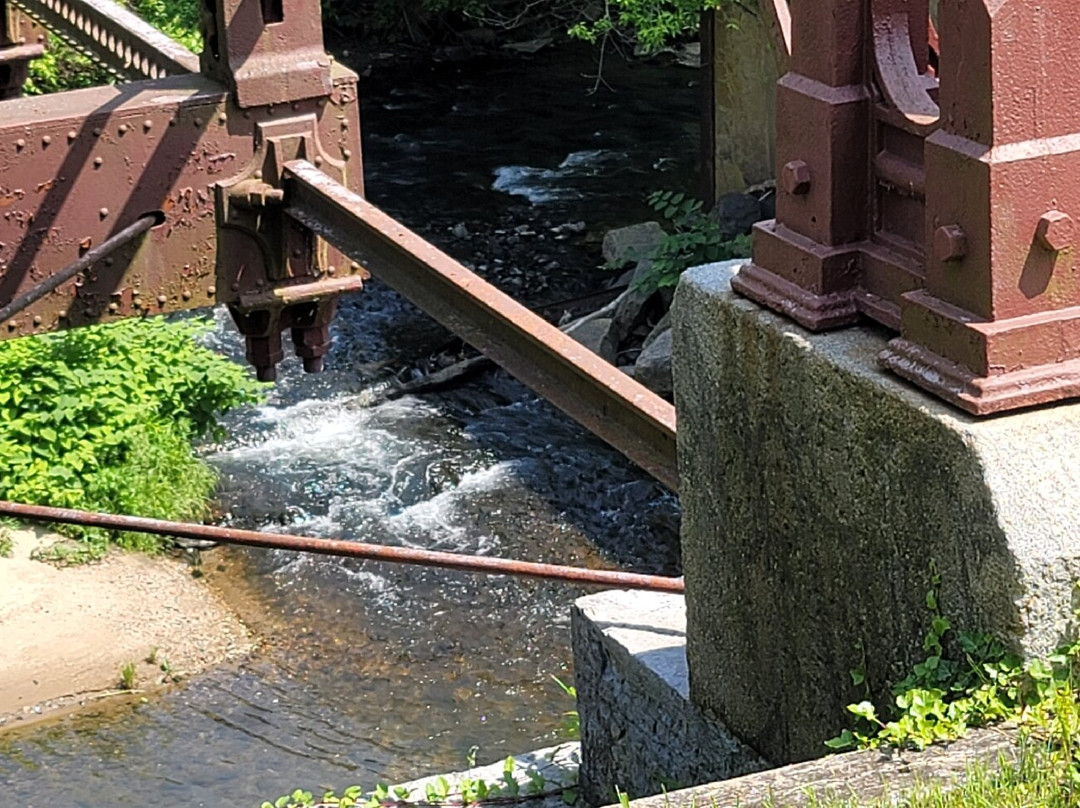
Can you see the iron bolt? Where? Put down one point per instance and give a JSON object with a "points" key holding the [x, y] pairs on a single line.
{"points": [[98, 162], [113, 308], [46, 140], [796, 176], [210, 291], [198, 122], [37, 319], [12, 325], [318, 161], [222, 118], [20, 144], [331, 270], [162, 300], [346, 153], [72, 134], [186, 295], [123, 129], [148, 124], [62, 314], [103, 213], [97, 133], [1056, 231], [950, 242]]}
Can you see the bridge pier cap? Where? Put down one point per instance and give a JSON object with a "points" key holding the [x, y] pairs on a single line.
{"points": [[954, 225]]}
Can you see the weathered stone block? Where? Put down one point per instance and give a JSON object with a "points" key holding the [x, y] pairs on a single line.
{"points": [[639, 731], [818, 490], [858, 777]]}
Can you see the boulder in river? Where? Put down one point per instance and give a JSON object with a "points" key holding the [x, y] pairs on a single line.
{"points": [[595, 334], [736, 214], [653, 366], [625, 245]]}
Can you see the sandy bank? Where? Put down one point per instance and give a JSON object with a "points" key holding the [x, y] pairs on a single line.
{"points": [[66, 633]]}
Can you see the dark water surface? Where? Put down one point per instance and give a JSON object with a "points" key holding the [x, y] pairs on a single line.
{"points": [[372, 671]]}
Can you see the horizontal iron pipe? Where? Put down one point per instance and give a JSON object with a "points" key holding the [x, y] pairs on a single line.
{"points": [[346, 549]]}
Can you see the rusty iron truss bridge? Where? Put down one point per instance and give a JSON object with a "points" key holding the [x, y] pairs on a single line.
{"points": [[927, 179]]}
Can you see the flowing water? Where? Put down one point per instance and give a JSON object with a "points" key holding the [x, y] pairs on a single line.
{"points": [[376, 671]]}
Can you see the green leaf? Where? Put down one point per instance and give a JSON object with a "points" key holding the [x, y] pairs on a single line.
{"points": [[845, 740]]}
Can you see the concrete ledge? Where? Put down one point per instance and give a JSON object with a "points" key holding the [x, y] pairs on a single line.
{"points": [[639, 731], [817, 490], [861, 775]]}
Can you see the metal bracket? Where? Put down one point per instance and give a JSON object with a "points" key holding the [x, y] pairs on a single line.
{"points": [[286, 260]]}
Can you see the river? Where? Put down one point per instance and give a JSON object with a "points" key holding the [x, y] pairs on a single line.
{"points": [[372, 671]]}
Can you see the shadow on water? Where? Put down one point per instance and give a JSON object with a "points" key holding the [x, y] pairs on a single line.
{"points": [[371, 670]]}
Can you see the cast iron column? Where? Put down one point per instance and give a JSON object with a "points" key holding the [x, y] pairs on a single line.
{"points": [[997, 325], [806, 261]]}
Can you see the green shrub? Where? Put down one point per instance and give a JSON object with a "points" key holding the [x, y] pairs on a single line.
{"points": [[178, 19], [695, 239], [103, 418]]}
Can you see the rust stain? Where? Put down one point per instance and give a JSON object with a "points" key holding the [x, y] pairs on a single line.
{"points": [[11, 198]]}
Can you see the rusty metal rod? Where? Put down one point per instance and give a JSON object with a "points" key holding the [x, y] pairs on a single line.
{"points": [[346, 549], [91, 257], [593, 392]]}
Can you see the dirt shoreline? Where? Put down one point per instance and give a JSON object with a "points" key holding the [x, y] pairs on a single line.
{"points": [[65, 634]]}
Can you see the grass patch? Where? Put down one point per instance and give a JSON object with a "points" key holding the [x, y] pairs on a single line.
{"points": [[1035, 780]]}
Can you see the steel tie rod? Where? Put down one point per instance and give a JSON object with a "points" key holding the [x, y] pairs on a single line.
{"points": [[89, 258], [346, 549]]}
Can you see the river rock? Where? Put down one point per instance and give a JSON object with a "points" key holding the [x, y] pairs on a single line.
{"points": [[653, 366], [658, 330], [633, 307], [596, 335], [736, 214], [546, 778], [626, 244]]}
